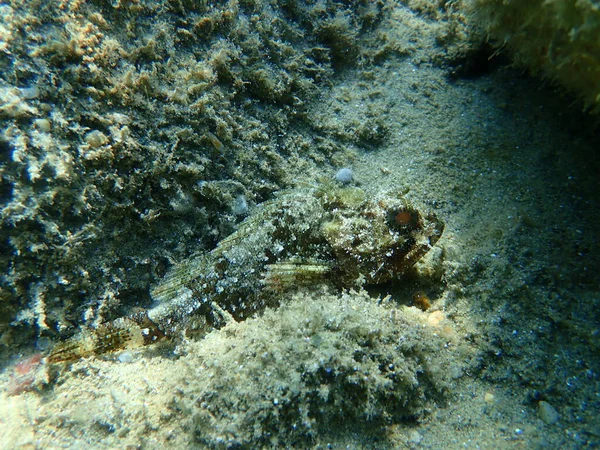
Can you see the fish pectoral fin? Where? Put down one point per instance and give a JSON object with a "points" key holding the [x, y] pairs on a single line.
{"points": [[286, 274]]}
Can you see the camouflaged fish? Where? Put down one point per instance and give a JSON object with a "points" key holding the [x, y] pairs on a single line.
{"points": [[303, 237]]}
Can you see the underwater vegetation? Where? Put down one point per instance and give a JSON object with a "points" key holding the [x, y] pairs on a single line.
{"points": [[555, 38]]}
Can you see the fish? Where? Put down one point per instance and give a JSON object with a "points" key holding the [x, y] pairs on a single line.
{"points": [[343, 237]]}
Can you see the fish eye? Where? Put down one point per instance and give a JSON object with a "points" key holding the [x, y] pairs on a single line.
{"points": [[403, 219]]}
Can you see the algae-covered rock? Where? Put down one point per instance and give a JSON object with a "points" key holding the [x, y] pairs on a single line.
{"points": [[129, 130], [555, 38], [314, 365], [339, 369]]}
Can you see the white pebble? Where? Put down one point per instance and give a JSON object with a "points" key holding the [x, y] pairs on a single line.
{"points": [[43, 343], [96, 138], [240, 206], [30, 93], [415, 437], [344, 176], [547, 413], [43, 125], [126, 356]]}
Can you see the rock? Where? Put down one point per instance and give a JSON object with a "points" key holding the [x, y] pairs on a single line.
{"points": [[547, 413]]}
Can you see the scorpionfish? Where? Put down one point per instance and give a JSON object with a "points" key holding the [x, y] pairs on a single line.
{"points": [[307, 236]]}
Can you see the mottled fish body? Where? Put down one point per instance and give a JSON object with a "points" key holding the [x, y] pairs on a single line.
{"points": [[303, 237]]}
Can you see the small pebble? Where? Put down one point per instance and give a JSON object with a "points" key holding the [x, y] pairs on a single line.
{"points": [[344, 176], [43, 125], [435, 318], [547, 413], [126, 356], [240, 206], [96, 138], [415, 437], [43, 343], [30, 93]]}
